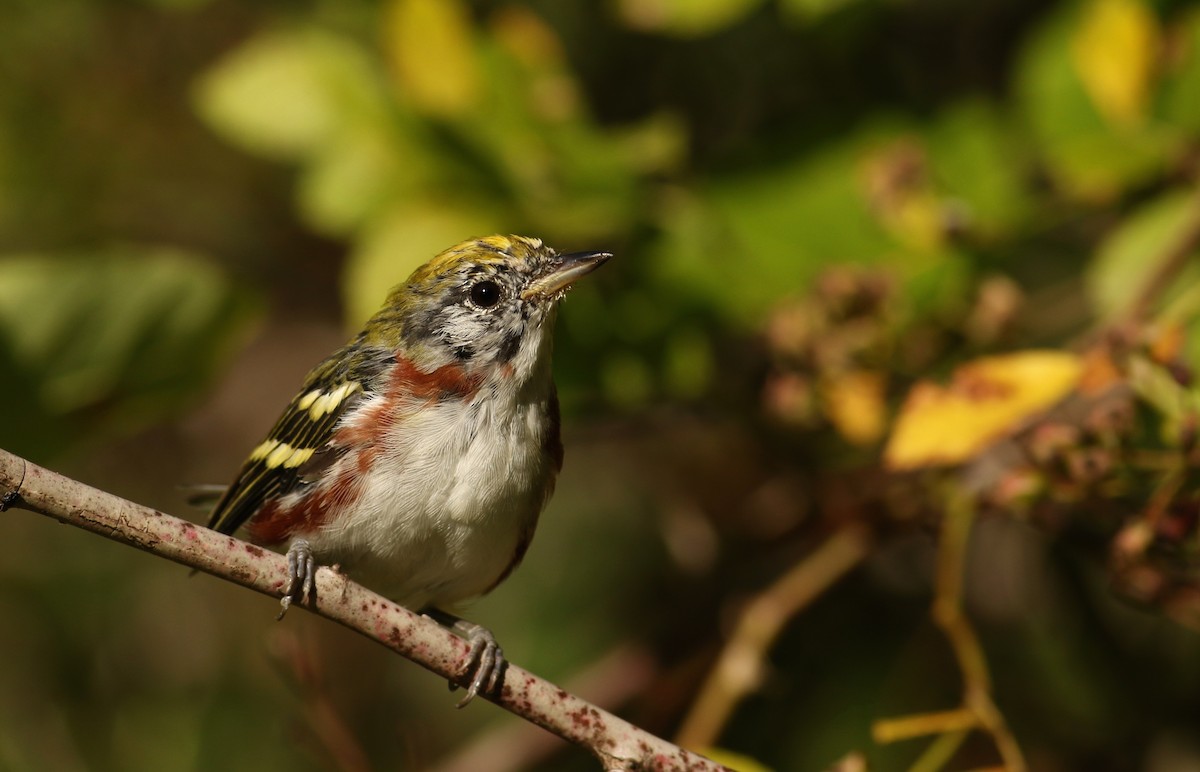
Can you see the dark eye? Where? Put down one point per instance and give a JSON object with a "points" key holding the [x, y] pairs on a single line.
{"points": [[485, 294]]}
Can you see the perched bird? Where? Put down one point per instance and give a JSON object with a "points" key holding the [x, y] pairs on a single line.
{"points": [[418, 456]]}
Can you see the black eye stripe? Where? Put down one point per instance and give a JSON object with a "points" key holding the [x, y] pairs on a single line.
{"points": [[508, 347]]}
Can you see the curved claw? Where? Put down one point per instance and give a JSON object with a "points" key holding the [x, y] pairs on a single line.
{"points": [[302, 572], [486, 658]]}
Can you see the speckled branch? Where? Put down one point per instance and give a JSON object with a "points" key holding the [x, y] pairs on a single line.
{"points": [[618, 744]]}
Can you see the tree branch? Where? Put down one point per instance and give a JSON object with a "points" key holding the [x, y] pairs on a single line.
{"points": [[616, 743], [978, 709], [738, 671]]}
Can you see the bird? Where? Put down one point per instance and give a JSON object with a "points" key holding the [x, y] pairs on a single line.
{"points": [[418, 457]]}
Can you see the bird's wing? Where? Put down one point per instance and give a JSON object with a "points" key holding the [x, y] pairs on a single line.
{"points": [[302, 434]]}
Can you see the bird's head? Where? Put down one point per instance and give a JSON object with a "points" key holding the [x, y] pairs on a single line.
{"points": [[483, 305]]}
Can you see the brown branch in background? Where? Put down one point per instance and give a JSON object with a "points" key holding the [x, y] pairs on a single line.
{"points": [[738, 670], [940, 751], [616, 743], [978, 710]]}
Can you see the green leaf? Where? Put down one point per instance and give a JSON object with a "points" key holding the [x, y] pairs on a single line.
{"points": [[109, 339], [355, 175], [751, 238], [285, 94], [1135, 251], [684, 18], [1175, 403], [976, 160]]}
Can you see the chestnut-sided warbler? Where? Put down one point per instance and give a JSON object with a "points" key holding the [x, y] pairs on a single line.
{"points": [[418, 456]]}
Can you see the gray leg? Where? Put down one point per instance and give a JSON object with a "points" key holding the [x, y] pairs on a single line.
{"points": [[486, 657], [302, 571]]}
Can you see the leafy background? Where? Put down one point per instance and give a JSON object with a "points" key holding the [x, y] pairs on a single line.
{"points": [[813, 202]]}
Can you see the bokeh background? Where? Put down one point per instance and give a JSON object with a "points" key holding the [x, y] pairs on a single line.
{"points": [[813, 203]]}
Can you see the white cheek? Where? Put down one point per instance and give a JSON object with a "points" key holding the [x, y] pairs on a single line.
{"points": [[531, 365], [461, 328]]}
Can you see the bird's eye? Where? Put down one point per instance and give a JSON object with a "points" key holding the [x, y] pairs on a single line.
{"points": [[485, 294]]}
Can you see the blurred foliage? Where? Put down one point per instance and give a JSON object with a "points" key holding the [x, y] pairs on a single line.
{"points": [[108, 340], [820, 209]]}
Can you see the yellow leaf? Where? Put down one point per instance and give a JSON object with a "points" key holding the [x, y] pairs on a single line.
{"points": [[987, 399], [1114, 51], [431, 48], [854, 403]]}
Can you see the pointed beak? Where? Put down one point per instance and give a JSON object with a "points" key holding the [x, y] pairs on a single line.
{"points": [[567, 270]]}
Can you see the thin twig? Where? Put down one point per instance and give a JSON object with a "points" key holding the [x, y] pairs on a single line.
{"points": [[738, 669], [940, 751], [978, 710], [617, 744], [924, 724], [949, 614]]}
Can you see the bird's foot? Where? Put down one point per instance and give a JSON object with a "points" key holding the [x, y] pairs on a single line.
{"points": [[302, 572], [486, 658]]}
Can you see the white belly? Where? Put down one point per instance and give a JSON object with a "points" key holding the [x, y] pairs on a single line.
{"points": [[449, 497]]}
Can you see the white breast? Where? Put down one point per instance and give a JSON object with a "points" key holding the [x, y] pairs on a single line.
{"points": [[452, 491]]}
